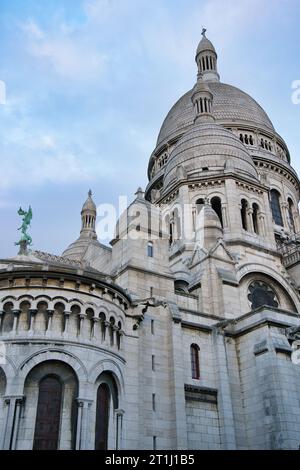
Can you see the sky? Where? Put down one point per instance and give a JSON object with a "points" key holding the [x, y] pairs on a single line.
{"points": [[89, 83]]}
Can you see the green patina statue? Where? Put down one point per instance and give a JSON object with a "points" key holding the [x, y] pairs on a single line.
{"points": [[26, 239]]}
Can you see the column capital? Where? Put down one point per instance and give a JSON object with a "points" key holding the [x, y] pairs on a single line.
{"points": [[84, 402], [8, 398]]}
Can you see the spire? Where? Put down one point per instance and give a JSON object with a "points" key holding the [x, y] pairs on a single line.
{"points": [[88, 218], [206, 59], [202, 99]]}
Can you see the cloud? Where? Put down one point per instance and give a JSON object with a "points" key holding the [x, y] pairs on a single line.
{"points": [[64, 51], [61, 167], [32, 29]]}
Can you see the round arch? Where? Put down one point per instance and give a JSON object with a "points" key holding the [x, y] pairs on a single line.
{"points": [[256, 271], [59, 355], [109, 366]]}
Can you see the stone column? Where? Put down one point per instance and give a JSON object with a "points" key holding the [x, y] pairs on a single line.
{"points": [[50, 319], [250, 225], [285, 214], [2, 312], [107, 333], [67, 314], [18, 409], [96, 321], [226, 418], [32, 312], [11, 425], [16, 313], [261, 224], [115, 333], [120, 334], [83, 420], [224, 215], [119, 429], [82, 317]]}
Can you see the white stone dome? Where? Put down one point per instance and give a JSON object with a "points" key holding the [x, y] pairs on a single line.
{"points": [[208, 148], [230, 105], [205, 45]]}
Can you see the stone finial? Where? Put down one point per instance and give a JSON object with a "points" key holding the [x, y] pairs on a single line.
{"points": [[90, 193]]}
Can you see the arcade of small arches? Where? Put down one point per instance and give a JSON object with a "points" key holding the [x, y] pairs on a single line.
{"points": [[42, 316], [251, 140], [50, 412], [252, 216]]}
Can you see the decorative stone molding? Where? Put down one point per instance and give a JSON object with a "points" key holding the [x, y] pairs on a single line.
{"points": [[203, 394]]}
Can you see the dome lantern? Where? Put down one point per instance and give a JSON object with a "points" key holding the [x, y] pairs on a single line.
{"points": [[202, 99], [88, 218], [206, 59]]}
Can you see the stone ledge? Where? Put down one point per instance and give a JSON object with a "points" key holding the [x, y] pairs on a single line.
{"points": [[203, 394]]}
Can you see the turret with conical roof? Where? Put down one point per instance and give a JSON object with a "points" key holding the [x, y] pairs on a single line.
{"points": [[88, 218], [88, 236], [206, 58]]}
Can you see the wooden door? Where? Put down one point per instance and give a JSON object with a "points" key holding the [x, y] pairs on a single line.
{"points": [[47, 424], [102, 417]]}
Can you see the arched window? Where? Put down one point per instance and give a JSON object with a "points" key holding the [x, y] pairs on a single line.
{"points": [[150, 249], [255, 209], [251, 140], [291, 215], [260, 294], [48, 415], [216, 204], [275, 207], [102, 417], [195, 361], [244, 214]]}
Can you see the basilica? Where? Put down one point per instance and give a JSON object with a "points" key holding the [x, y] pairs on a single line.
{"points": [[183, 333]]}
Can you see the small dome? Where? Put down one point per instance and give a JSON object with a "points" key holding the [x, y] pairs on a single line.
{"points": [[89, 204], [78, 249], [205, 45], [208, 148]]}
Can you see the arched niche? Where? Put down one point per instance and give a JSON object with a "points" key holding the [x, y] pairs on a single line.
{"points": [[49, 417]]}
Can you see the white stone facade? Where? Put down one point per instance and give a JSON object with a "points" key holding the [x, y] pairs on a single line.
{"points": [[181, 335]]}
